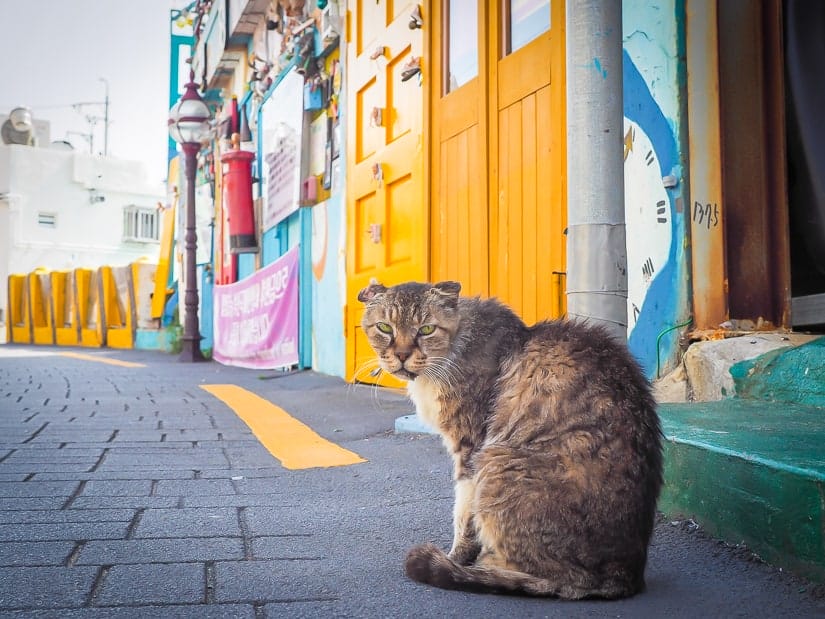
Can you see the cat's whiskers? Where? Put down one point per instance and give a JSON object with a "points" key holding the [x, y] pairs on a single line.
{"points": [[366, 370], [365, 375], [376, 393], [444, 371]]}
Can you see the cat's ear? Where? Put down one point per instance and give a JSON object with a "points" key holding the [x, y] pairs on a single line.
{"points": [[370, 292], [448, 288], [446, 292]]}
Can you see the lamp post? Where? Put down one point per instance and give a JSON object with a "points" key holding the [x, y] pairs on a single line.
{"points": [[189, 127]]}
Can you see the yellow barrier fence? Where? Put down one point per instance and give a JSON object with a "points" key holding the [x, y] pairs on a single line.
{"points": [[18, 323], [41, 307], [92, 326], [64, 308], [118, 306], [86, 307]]}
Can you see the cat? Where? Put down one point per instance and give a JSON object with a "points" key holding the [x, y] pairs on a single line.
{"points": [[555, 439]]}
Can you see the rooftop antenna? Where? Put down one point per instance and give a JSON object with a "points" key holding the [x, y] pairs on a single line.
{"points": [[93, 119], [105, 116], [88, 137]]}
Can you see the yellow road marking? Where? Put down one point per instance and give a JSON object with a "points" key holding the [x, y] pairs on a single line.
{"points": [[125, 364], [296, 445]]}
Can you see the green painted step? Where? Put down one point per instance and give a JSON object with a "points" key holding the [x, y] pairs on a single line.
{"points": [[751, 471], [786, 374]]}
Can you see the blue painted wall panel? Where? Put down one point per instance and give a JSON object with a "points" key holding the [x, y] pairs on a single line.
{"points": [[655, 188], [328, 286]]}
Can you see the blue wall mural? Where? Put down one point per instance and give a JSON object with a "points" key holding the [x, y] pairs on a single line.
{"points": [[657, 266]]}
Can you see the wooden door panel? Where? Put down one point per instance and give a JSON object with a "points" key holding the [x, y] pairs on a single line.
{"points": [[525, 71], [459, 195], [370, 20], [368, 139], [386, 213], [528, 214], [455, 113], [507, 281], [402, 109], [401, 209], [551, 206], [498, 168], [530, 245], [459, 227], [401, 10], [367, 252], [530, 189]]}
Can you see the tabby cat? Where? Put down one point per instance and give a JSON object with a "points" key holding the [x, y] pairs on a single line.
{"points": [[554, 435]]}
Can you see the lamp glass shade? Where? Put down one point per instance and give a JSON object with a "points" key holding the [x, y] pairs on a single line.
{"points": [[189, 119]]}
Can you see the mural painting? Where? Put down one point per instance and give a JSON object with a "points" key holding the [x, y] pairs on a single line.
{"points": [[657, 275]]}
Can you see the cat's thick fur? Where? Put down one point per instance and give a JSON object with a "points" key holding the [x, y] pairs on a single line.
{"points": [[554, 435]]}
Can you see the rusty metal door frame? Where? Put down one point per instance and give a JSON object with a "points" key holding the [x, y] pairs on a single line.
{"points": [[753, 159], [707, 207]]}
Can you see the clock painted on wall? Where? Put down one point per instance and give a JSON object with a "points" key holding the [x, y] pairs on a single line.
{"points": [[647, 218]]}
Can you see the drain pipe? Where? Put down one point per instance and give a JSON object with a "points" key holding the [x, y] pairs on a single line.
{"points": [[596, 250]]}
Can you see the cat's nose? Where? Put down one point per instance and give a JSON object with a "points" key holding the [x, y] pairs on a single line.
{"points": [[402, 355]]}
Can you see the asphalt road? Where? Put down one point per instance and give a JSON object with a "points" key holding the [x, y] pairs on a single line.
{"points": [[134, 492]]}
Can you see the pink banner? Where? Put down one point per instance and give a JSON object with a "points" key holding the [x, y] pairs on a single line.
{"points": [[256, 319]]}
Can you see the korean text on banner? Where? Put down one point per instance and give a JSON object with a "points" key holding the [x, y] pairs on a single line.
{"points": [[256, 319]]}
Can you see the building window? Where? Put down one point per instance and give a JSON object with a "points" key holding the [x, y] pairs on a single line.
{"points": [[525, 20], [141, 224], [461, 43], [47, 220]]}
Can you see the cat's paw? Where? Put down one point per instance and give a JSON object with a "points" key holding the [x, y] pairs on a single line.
{"points": [[422, 561]]}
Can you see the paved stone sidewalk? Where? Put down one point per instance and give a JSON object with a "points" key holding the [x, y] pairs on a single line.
{"points": [[132, 492], [133, 487]]}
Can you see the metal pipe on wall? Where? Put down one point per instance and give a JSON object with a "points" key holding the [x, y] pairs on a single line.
{"points": [[707, 235], [596, 245]]}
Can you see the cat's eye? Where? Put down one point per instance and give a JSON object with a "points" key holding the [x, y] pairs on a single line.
{"points": [[426, 329], [383, 327]]}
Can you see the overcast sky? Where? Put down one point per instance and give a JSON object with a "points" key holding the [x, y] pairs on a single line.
{"points": [[54, 52]]}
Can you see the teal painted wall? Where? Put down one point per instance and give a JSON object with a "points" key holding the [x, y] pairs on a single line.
{"points": [[207, 307], [795, 375]]}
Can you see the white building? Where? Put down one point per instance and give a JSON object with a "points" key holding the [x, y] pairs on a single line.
{"points": [[62, 209]]}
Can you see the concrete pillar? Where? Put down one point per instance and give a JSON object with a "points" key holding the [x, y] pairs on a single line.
{"points": [[596, 249]]}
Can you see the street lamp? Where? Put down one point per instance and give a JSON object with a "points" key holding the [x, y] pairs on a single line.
{"points": [[189, 127]]}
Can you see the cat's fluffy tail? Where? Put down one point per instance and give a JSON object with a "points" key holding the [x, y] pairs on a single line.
{"points": [[430, 565]]}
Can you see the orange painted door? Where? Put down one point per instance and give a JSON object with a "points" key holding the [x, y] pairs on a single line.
{"points": [[386, 206], [498, 178]]}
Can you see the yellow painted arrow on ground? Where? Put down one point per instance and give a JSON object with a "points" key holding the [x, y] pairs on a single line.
{"points": [[295, 444]]}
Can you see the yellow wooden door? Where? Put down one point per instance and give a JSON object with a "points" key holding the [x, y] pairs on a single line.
{"points": [[498, 176], [459, 217], [386, 208], [528, 181]]}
